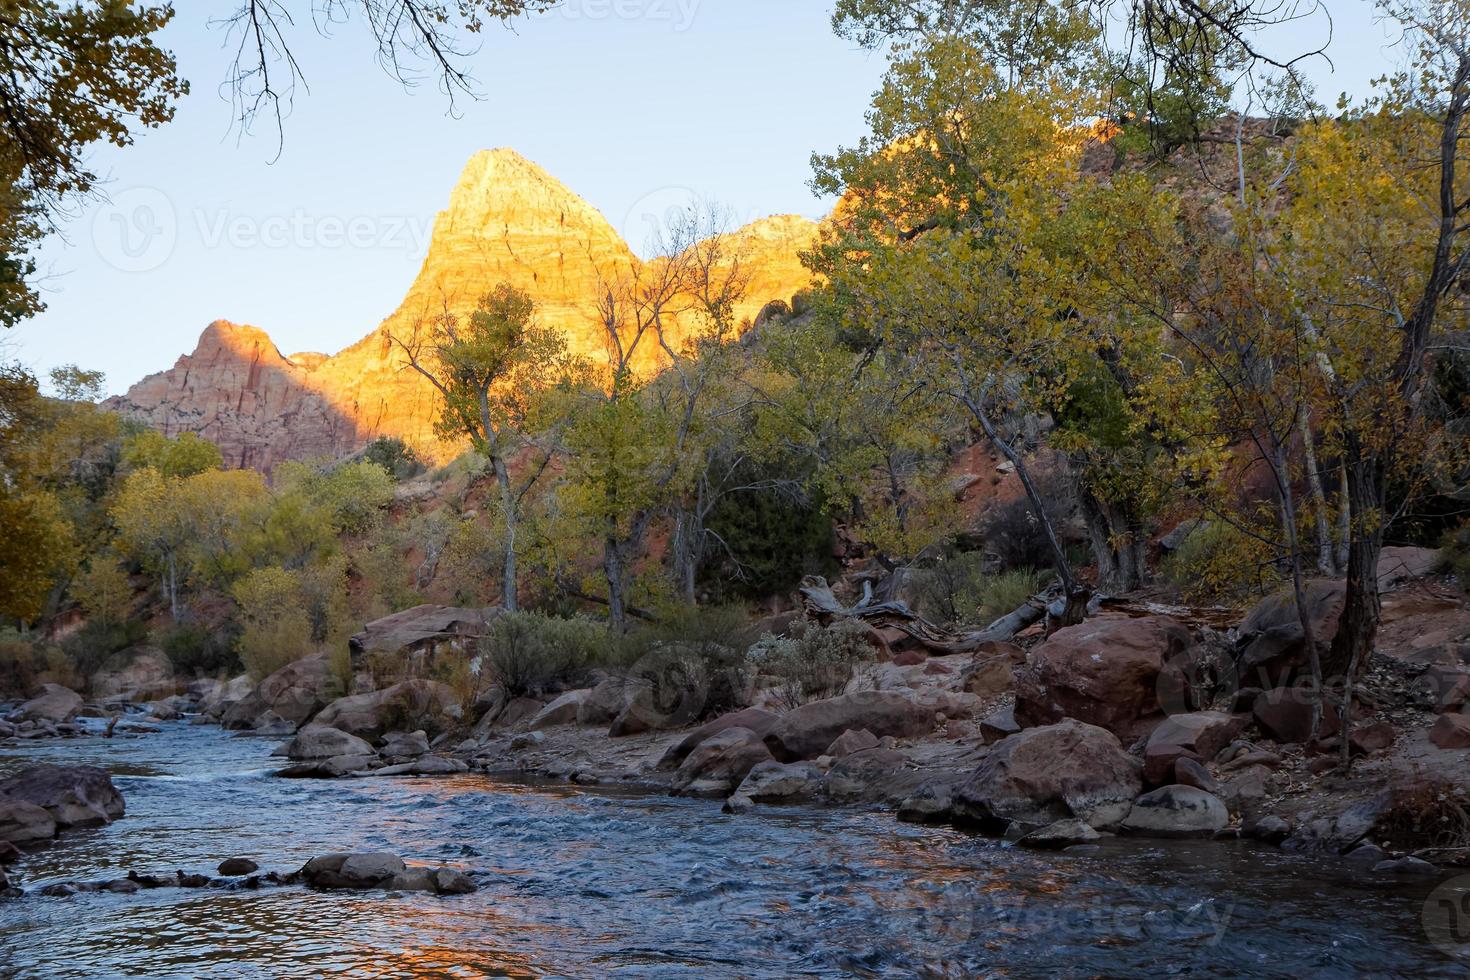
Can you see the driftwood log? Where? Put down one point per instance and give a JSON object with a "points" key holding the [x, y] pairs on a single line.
{"points": [[821, 604]]}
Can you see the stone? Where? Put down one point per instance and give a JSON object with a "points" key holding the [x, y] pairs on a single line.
{"points": [[518, 712], [1176, 811], [414, 638], [931, 802], [52, 704], [507, 220], [1188, 772], [25, 823], [772, 781], [1105, 672], [370, 870], [757, 720], [1408, 867], [1373, 737], [75, 796], [1366, 855], [322, 742], [1198, 735], [1451, 732], [9, 853], [407, 705], [447, 881], [1271, 646], [988, 676], [1059, 835], [609, 699], [237, 867], [293, 694], [1270, 829], [851, 741], [720, 763], [429, 765], [405, 745], [1049, 773], [874, 775], [562, 711], [1398, 564], [999, 724], [805, 732], [1285, 713], [414, 880]]}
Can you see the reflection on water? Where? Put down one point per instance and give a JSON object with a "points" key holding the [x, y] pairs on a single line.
{"points": [[585, 883]]}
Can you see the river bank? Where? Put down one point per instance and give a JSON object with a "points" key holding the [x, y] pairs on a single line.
{"points": [[589, 880]]}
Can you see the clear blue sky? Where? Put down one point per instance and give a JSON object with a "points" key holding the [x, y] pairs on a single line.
{"points": [[629, 102]]}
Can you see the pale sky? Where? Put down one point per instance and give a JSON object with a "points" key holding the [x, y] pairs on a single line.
{"points": [[633, 104]]}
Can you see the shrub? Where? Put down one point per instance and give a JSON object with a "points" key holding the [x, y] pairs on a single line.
{"points": [[195, 651], [958, 591], [1221, 563], [393, 455], [530, 654], [770, 541], [21, 663], [695, 657], [277, 630], [104, 590], [814, 662], [1014, 534], [88, 650], [1454, 551]]}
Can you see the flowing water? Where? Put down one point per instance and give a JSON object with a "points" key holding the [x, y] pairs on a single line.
{"points": [[583, 882]]}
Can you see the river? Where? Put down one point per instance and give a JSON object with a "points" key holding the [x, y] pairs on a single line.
{"points": [[586, 882]]}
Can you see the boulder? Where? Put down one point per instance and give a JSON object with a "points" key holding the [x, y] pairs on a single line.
{"points": [[1188, 772], [1271, 647], [237, 867], [429, 765], [932, 801], [352, 870], [609, 699], [294, 693], [1199, 735], [405, 745], [757, 720], [1451, 732], [806, 732], [52, 704], [851, 741], [217, 698], [1176, 811], [333, 768], [407, 706], [1042, 775], [75, 796], [517, 713], [321, 742], [1285, 713], [1399, 564], [873, 775], [562, 711], [25, 823], [988, 676], [1105, 672], [772, 781], [999, 724], [721, 762]]}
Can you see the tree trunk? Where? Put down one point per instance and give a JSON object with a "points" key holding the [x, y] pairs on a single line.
{"points": [[1326, 561], [509, 597], [1299, 594], [612, 569]]}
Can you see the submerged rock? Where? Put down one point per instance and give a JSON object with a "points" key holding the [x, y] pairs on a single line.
{"points": [[1059, 835], [382, 870]]}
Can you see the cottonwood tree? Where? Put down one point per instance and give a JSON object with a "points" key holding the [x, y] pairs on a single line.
{"points": [[641, 427], [72, 75], [487, 368]]}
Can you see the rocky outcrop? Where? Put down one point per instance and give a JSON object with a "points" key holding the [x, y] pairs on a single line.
{"points": [[1105, 672], [1042, 775], [285, 699], [73, 796], [807, 731], [53, 704], [507, 221], [406, 706]]}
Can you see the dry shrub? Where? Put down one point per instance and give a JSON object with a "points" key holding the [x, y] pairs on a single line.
{"points": [[1426, 813], [814, 662]]}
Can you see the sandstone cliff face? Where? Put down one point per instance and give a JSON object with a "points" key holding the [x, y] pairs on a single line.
{"points": [[507, 221]]}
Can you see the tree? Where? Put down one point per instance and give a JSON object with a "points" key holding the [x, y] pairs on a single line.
{"points": [[71, 75], [181, 456], [153, 525], [34, 537], [410, 36], [487, 370]]}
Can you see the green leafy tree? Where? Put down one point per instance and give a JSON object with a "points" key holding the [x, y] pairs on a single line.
{"points": [[180, 456], [487, 369]]}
